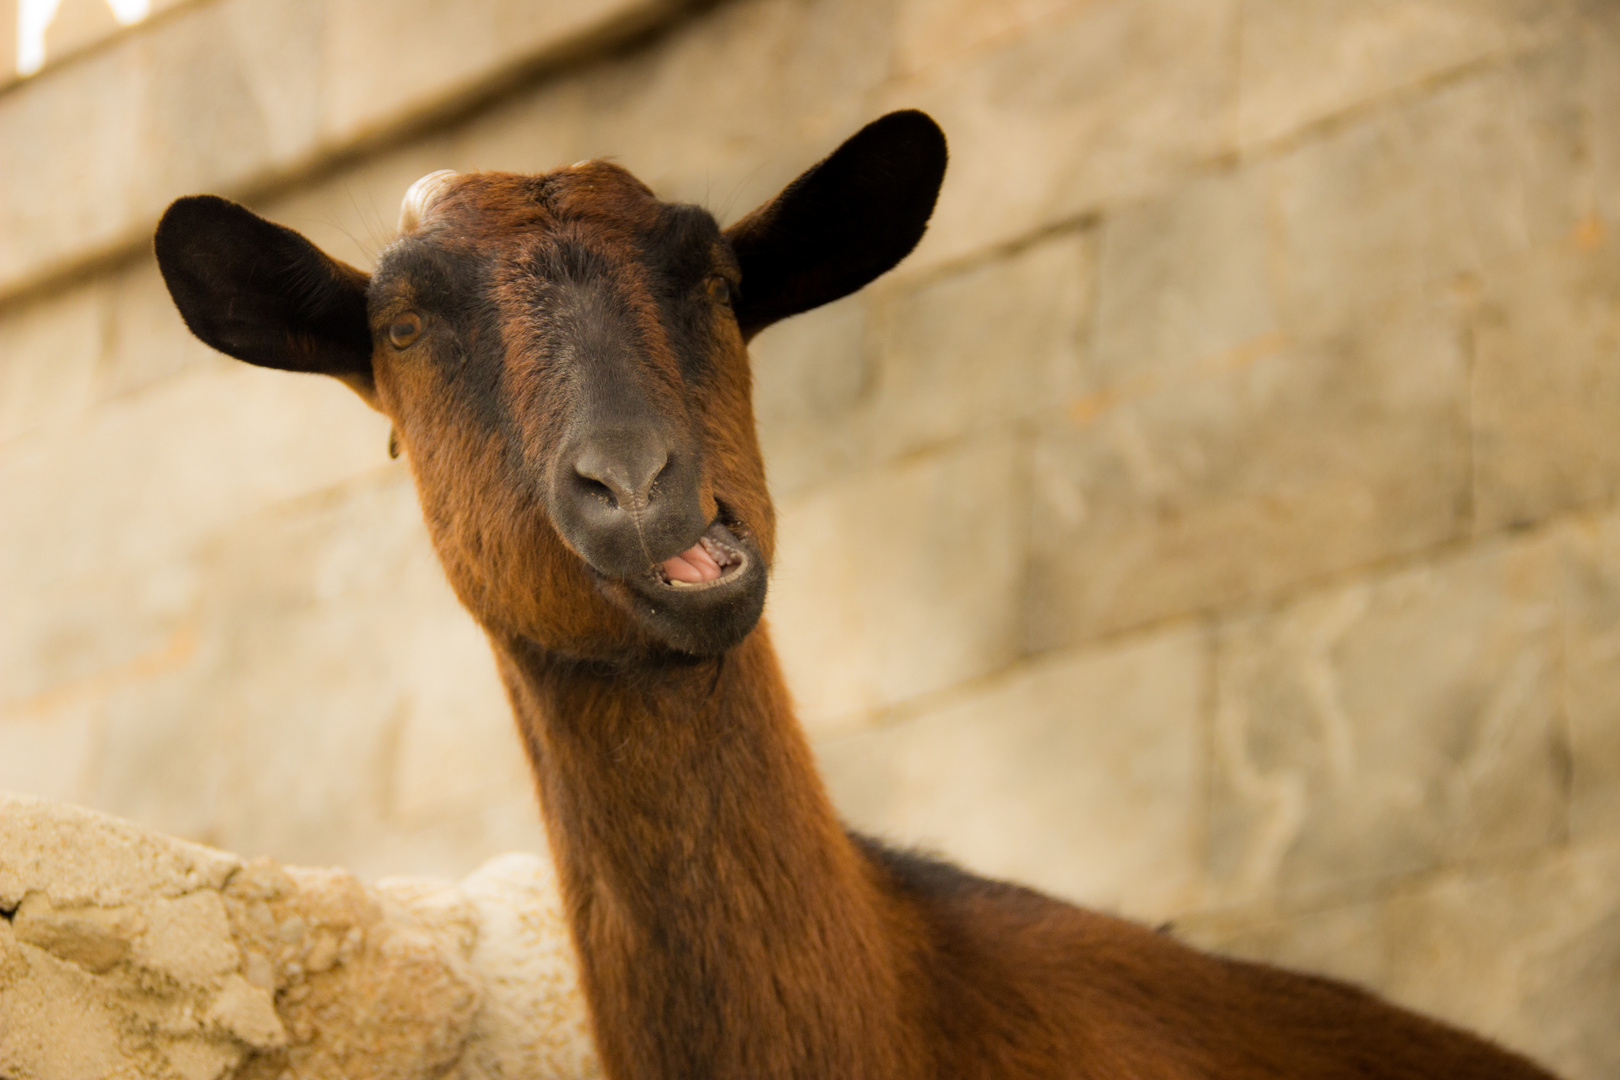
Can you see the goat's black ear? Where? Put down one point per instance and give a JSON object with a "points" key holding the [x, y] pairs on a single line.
{"points": [[843, 223], [260, 292]]}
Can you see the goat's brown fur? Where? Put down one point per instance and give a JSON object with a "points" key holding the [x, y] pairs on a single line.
{"points": [[727, 924]]}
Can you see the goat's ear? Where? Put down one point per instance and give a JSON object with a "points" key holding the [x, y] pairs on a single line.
{"points": [[260, 292], [841, 224]]}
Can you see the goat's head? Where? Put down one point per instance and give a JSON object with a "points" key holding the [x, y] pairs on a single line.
{"points": [[564, 359]]}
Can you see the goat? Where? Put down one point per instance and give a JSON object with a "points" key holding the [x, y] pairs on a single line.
{"points": [[564, 359]]}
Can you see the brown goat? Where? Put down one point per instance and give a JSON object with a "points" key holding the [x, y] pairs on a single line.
{"points": [[564, 358]]}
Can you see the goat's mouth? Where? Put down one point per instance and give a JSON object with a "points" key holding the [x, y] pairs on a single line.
{"points": [[704, 600], [717, 560]]}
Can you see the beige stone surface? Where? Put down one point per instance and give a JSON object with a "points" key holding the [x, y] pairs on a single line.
{"points": [[230, 94], [1081, 775], [1184, 278], [152, 474], [1306, 62], [900, 581], [1600, 36], [1097, 108], [1391, 726], [912, 369], [1546, 384], [49, 354], [126, 953], [145, 340], [979, 349], [1431, 189], [1247, 471], [342, 680], [1591, 643], [88, 859], [813, 383], [934, 33]]}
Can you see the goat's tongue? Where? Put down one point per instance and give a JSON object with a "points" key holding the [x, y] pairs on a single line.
{"points": [[693, 566]]}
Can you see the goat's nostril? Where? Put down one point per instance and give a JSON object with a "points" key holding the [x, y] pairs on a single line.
{"points": [[624, 479], [600, 490]]}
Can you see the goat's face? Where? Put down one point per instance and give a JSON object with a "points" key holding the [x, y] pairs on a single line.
{"points": [[564, 360]]}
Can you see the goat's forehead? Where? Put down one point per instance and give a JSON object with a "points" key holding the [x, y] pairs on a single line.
{"points": [[495, 204], [493, 220]]}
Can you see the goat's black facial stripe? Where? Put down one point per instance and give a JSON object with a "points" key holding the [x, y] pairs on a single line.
{"points": [[680, 255], [572, 305]]}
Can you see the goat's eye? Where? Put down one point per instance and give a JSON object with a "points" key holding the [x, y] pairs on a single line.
{"points": [[719, 290], [404, 330]]}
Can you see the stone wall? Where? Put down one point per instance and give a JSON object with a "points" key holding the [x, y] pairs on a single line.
{"points": [[1215, 520]]}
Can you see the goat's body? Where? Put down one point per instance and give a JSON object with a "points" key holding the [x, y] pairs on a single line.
{"points": [[729, 927], [1028, 987], [564, 359]]}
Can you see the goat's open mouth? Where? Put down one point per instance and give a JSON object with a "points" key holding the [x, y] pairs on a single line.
{"points": [[717, 559], [706, 599]]}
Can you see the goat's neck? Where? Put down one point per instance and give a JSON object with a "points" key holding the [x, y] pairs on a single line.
{"points": [[726, 925]]}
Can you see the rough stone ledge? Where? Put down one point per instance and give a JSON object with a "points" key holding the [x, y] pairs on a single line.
{"points": [[127, 954]]}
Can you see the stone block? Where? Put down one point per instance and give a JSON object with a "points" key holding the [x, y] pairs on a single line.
{"points": [[1082, 775], [82, 858], [126, 953], [366, 46], [869, 380], [933, 33], [277, 51], [204, 104], [147, 341], [1247, 471], [65, 188], [95, 938], [1307, 62], [8, 41], [103, 577], [343, 709], [731, 106], [160, 469], [1097, 108], [1600, 41], [1391, 726], [232, 94], [1436, 188], [532, 1022], [48, 361], [1546, 388], [980, 348], [1183, 278], [1591, 601], [813, 381], [901, 580], [48, 752]]}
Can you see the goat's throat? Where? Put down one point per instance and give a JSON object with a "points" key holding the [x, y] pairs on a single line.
{"points": [[706, 874]]}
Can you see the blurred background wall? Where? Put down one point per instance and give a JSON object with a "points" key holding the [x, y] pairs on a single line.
{"points": [[1215, 521]]}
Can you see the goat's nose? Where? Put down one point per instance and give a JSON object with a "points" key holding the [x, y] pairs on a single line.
{"points": [[626, 498], [626, 465]]}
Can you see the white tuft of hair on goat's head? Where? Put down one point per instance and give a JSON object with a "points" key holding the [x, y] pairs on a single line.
{"points": [[420, 197]]}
